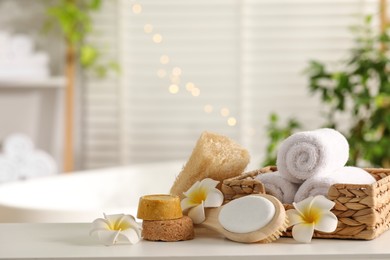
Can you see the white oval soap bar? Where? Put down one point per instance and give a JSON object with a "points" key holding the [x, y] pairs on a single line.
{"points": [[246, 214]]}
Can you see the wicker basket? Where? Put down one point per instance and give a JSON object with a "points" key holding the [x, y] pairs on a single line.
{"points": [[363, 211]]}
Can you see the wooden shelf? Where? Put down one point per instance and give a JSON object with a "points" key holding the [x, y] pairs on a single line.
{"points": [[52, 82]]}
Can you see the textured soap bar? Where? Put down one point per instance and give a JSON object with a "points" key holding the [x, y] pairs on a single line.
{"points": [[168, 230], [159, 207]]}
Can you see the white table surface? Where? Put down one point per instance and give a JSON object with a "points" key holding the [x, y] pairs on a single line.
{"points": [[72, 241]]}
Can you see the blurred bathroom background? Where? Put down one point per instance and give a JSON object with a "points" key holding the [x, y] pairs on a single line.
{"points": [[154, 74]]}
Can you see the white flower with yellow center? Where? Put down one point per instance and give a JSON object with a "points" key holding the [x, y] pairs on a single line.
{"points": [[311, 214], [116, 228], [201, 195]]}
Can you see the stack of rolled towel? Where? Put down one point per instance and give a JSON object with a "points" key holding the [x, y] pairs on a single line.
{"points": [[309, 163], [19, 58], [20, 160]]}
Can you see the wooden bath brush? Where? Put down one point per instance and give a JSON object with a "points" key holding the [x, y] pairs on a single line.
{"points": [[259, 218]]}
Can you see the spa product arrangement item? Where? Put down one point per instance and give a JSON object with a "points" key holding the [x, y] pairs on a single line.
{"points": [[168, 230], [310, 214], [202, 195], [362, 209], [319, 185], [278, 186], [312, 153], [308, 169], [257, 218], [159, 207], [251, 219], [20, 159], [312, 164], [114, 229], [163, 219], [309, 163], [214, 156]]}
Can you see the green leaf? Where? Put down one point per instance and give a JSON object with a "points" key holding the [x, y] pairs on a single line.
{"points": [[362, 81], [95, 4], [100, 70], [368, 19], [73, 19], [274, 118], [276, 134], [387, 122], [114, 66], [88, 55]]}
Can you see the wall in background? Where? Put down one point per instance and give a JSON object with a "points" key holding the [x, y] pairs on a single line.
{"points": [[33, 110], [27, 17], [243, 56], [222, 66]]}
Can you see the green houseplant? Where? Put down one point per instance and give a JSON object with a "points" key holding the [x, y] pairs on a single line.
{"points": [[361, 89], [74, 20], [277, 132], [358, 87]]}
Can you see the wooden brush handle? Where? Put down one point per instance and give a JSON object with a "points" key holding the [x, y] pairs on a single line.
{"points": [[277, 223]]}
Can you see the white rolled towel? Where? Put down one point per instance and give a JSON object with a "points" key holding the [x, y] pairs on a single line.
{"points": [[278, 186], [5, 39], [319, 185], [39, 164], [312, 153], [18, 145], [8, 170]]}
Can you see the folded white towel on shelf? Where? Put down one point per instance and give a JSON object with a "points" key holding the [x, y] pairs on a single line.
{"points": [[278, 186], [319, 185], [312, 153], [21, 46]]}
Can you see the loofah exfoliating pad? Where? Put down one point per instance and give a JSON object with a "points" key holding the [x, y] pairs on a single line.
{"points": [[214, 156], [168, 230]]}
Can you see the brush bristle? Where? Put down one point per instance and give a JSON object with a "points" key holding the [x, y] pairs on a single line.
{"points": [[276, 235]]}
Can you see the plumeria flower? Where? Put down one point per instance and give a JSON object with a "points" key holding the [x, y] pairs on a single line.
{"points": [[116, 228], [201, 195], [311, 214]]}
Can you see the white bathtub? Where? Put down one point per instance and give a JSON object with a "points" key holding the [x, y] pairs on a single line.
{"points": [[84, 196]]}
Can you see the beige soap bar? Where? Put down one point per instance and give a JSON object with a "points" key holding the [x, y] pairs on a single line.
{"points": [[159, 207]]}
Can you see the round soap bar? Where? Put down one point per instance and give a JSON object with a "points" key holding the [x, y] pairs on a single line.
{"points": [[246, 214], [159, 207], [168, 230]]}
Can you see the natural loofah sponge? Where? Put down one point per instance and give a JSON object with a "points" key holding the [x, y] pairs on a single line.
{"points": [[214, 156], [168, 230]]}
